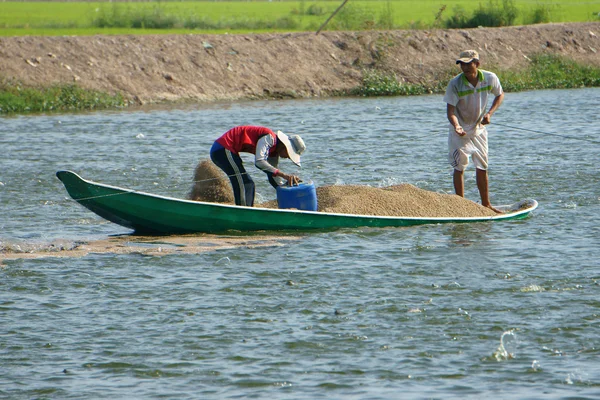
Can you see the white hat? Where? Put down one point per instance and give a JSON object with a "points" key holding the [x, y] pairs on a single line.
{"points": [[294, 144]]}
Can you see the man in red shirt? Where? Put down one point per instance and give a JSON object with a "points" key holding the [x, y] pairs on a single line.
{"points": [[267, 146]]}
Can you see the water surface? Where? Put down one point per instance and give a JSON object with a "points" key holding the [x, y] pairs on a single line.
{"points": [[503, 310]]}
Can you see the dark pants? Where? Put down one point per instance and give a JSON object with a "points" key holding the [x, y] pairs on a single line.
{"points": [[241, 182]]}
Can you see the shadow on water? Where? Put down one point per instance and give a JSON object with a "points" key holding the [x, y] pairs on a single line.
{"points": [[465, 235]]}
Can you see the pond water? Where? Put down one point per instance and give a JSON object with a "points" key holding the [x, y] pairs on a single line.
{"points": [[505, 310]]}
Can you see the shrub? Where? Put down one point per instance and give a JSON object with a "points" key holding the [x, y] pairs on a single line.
{"points": [[194, 22], [315, 9], [493, 15], [113, 17], [353, 17], [459, 19], [386, 17], [539, 15]]}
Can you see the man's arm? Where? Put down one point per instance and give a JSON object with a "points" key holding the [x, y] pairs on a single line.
{"points": [[487, 118], [454, 120]]}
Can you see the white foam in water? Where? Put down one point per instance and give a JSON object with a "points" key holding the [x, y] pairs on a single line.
{"points": [[508, 346]]}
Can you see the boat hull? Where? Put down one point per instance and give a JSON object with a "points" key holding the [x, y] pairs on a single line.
{"points": [[153, 214]]}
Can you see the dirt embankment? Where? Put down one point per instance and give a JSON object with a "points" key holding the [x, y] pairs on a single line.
{"points": [[228, 67]]}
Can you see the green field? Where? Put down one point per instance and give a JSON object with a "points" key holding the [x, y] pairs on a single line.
{"points": [[87, 18]]}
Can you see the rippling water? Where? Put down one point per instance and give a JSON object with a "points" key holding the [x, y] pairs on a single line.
{"points": [[505, 310]]}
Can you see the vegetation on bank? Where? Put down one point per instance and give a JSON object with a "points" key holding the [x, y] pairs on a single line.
{"points": [[18, 99], [544, 72], [81, 18], [121, 17], [551, 72], [376, 83]]}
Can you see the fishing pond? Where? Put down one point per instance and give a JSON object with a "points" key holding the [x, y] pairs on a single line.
{"points": [[505, 310]]}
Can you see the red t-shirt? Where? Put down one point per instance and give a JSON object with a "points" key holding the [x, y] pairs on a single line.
{"points": [[243, 139]]}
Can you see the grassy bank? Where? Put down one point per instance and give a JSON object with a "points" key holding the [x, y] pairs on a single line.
{"points": [[18, 99], [544, 72], [88, 18]]}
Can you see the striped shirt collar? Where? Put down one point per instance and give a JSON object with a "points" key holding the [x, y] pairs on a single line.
{"points": [[466, 81]]}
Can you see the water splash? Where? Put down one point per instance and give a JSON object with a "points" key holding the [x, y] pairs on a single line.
{"points": [[532, 288], [508, 346], [575, 377], [223, 261]]}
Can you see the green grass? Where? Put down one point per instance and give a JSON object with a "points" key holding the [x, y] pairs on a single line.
{"points": [[376, 83], [88, 18], [16, 98], [544, 72], [550, 72]]}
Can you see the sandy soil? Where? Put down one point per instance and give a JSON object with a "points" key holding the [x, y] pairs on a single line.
{"points": [[227, 67]]}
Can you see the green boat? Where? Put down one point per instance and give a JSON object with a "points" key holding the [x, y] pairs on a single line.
{"points": [[147, 213]]}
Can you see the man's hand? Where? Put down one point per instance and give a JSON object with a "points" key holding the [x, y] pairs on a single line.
{"points": [[487, 119], [292, 180], [459, 130]]}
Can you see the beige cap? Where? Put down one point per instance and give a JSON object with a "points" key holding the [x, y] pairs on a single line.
{"points": [[294, 145], [467, 56]]}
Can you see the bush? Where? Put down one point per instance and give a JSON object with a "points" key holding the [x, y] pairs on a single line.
{"points": [[353, 17], [113, 17], [194, 22], [459, 19], [386, 17], [539, 15], [154, 20], [315, 9], [493, 15]]}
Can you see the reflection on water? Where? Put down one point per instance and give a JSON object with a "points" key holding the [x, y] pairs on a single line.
{"points": [[467, 234]]}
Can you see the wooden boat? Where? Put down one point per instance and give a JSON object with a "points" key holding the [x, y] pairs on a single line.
{"points": [[153, 214]]}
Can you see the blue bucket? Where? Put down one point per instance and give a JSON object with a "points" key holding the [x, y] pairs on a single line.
{"points": [[301, 197]]}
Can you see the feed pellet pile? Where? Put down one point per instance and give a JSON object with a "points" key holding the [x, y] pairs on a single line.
{"points": [[405, 200], [211, 184]]}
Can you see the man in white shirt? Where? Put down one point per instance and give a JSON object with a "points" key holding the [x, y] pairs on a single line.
{"points": [[466, 100]]}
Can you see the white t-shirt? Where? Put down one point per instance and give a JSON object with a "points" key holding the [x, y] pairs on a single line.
{"points": [[471, 102]]}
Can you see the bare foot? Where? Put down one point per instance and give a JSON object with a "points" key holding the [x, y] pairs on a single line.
{"points": [[494, 209]]}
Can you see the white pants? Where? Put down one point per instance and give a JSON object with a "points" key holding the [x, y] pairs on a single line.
{"points": [[463, 148]]}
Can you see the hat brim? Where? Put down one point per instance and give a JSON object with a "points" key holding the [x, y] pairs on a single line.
{"points": [[285, 139], [466, 60]]}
